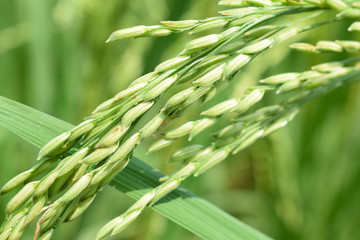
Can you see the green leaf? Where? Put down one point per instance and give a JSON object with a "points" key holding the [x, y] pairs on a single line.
{"points": [[181, 206]]}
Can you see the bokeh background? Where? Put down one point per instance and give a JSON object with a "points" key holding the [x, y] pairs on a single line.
{"points": [[301, 182]]}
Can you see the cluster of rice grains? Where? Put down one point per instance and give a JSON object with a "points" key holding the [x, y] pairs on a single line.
{"points": [[77, 164]]}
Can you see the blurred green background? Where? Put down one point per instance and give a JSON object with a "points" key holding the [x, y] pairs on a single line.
{"points": [[299, 183]]}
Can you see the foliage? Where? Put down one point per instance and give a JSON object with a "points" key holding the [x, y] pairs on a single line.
{"points": [[87, 157]]}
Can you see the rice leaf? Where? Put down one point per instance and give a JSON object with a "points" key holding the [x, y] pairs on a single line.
{"points": [[181, 206]]}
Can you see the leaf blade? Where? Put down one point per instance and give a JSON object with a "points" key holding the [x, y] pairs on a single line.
{"points": [[181, 206]]}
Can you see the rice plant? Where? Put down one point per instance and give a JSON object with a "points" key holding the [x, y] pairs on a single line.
{"points": [[74, 167]]}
